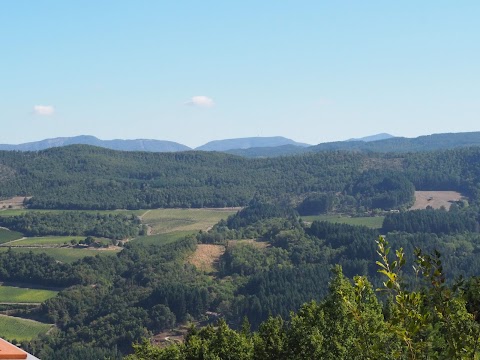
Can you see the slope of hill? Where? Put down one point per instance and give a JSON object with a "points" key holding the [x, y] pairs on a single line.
{"points": [[250, 142], [116, 144], [86, 177]]}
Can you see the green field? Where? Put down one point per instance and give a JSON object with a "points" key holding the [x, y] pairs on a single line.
{"points": [[162, 239], [67, 255], [12, 294], [170, 220], [7, 235], [13, 212], [21, 329], [373, 222], [46, 241]]}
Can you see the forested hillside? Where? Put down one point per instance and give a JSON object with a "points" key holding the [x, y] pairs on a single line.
{"points": [[272, 263], [270, 260], [83, 177]]}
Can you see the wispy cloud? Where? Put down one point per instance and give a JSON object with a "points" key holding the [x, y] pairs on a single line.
{"points": [[201, 101], [44, 110]]}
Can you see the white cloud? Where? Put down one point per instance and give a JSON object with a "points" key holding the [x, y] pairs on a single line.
{"points": [[201, 101], [44, 110]]}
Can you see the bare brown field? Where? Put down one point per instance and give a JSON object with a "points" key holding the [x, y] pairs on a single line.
{"points": [[12, 203], [206, 256], [435, 199]]}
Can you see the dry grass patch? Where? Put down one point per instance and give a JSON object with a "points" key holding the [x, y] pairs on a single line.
{"points": [[13, 203], [435, 199], [206, 256]]}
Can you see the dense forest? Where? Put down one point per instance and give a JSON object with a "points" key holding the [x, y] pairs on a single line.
{"points": [[113, 226], [431, 322], [85, 177]]}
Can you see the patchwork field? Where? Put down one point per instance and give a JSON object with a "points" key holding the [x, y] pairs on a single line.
{"points": [[21, 329], [170, 220], [373, 222], [67, 255], [165, 226], [13, 294], [435, 199]]}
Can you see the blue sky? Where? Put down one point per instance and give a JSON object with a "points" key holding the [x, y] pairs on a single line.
{"points": [[194, 71]]}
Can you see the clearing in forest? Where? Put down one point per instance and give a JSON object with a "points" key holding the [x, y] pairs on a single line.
{"points": [[21, 329], [435, 199], [206, 256], [13, 294], [170, 220], [12, 203], [7, 235]]}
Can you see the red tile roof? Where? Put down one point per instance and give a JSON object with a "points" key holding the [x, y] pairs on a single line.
{"points": [[11, 352]]}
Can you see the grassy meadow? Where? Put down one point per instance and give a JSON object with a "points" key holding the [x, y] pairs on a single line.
{"points": [[21, 329], [13, 294], [172, 220], [46, 241], [7, 235], [162, 239]]}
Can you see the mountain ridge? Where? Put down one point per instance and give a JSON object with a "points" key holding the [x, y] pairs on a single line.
{"points": [[115, 144], [248, 142], [256, 147]]}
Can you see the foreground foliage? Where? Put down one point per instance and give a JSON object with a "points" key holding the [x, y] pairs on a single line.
{"points": [[350, 323]]}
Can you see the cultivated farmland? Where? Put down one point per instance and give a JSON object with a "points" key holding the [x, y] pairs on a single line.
{"points": [[170, 220], [7, 235], [21, 329], [13, 294]]}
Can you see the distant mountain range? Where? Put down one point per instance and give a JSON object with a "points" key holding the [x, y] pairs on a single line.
{"points": [[255, 147], [118, 144], [247, 143]]}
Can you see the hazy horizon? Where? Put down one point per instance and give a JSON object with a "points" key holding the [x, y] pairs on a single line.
{"points": [[194, 72]]}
